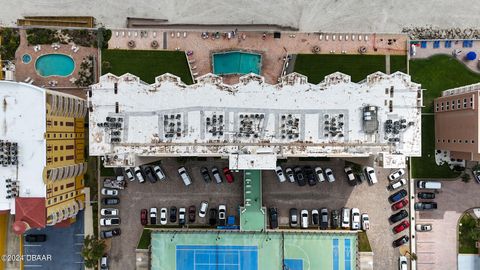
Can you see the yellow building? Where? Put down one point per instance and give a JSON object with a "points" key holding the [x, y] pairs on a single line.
{"points": [[43, 176]]}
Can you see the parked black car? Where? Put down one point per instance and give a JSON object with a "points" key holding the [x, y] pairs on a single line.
{"points": [[299, 175], [420, 206], [111, 201], [310, 175], [323, 218], [398, 216], [273, 213], [335, 217], [205, 175], [397, 196], [173, 214], [400, 241], [110, 233], [36, 238], [426, 195], [315, 218], [147, 170], [213, 217], [476, 175]]}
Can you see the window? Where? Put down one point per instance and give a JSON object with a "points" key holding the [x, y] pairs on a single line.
{"points": [[55, 123], [66, 196], [54, 135], [458, 104], [448, 141], [61, 158], [443, 140], [61, 187], [61, 147], [69, 147], [54, 200], [473, 141], [438, 140], [69, 124], [61, 197], [55, 159], [56, 148], [49, 148], [61, 123], [69, 185], [55, 189], [455, 141], [459, 141], [69, 157]]}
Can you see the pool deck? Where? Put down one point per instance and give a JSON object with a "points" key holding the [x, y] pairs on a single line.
{"points": [[23, 71], [274, 49]]}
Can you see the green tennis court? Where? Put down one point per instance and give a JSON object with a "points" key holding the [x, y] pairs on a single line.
{"points": [[233, 250]]}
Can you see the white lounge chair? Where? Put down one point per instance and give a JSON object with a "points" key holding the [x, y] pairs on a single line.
{"points": [[116, 33], [195, 74], [353, 37], [320, 37], [184, 34], [27, 79], [31, 81], [346, 37], [129, 34], [340, 37], [123, 33], [136, 34], [154, 34], [334, 37], [178, 34], [360, 37], [172, 34], [191, 61], [76, 49], [326, 37], [366, 37], [194, 67]]}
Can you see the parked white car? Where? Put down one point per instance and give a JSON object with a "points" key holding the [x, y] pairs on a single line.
{"points": [[290, 175], [319, 173], [138, 174], [280, 175], [304, 216], [349, 173], [365, 221], [372, 177], [222, 213], [109, 212], [355, 219], [163, 216], [109, 221], [423, 227], [329, 174], [109, 192], [159, 172], [396, 174], [129, 174], [203, 209], [398, 184], [402, 263]]}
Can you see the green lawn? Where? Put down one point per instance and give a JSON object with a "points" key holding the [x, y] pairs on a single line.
{"points": [[145, 239], [317, 66], [146, 64], [398, 63], [436, 74], [469, 233], [363, 243]]}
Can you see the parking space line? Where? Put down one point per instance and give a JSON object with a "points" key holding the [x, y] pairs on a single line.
{"points": [[32, 245], [32, 265], [78, 244], [79, 262]]}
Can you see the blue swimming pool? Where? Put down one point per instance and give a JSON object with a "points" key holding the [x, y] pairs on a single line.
{"points": [[55, 65], [236, 63]]}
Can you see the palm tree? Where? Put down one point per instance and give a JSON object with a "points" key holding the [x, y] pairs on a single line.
{"points": [[413, 256], [92, 251]]}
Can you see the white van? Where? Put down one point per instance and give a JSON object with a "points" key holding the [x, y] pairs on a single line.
{"points": [[345, 218], [429, 185], [184, 175]]}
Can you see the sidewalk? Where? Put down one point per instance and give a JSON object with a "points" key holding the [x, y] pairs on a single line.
{"points": [[88, 216], [13, 246]]}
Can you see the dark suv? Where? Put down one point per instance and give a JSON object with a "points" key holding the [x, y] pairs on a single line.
{"points": [[425, 206], [35, 238], [426, 195], [398, 216], [173, 214], [273, 213], [312, 181], [205, 175], [299, 175], [335, 219], [147, 170]]}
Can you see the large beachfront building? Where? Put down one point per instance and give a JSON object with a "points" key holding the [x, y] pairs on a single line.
{"points": [[457, 122], [42, 155], [253, 123]]}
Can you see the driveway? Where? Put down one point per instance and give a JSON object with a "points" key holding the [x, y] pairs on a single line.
{"points": [[438, 249]]}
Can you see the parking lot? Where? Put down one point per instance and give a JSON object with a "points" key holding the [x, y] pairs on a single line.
{"points": [[172, 192]]}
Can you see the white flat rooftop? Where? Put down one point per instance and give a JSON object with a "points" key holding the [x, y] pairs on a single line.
{"points": [[291, 118], [22, 121]]}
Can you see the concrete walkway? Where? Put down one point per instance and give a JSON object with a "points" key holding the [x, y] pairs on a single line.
{"points": [[438, 249]]}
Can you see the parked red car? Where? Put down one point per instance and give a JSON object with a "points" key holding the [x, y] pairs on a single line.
{"points": [[144, 217], [399, 205], [402, 226], [228, 174]]}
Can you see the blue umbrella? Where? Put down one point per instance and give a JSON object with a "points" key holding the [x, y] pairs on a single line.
{"points": [[471, 56]]}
